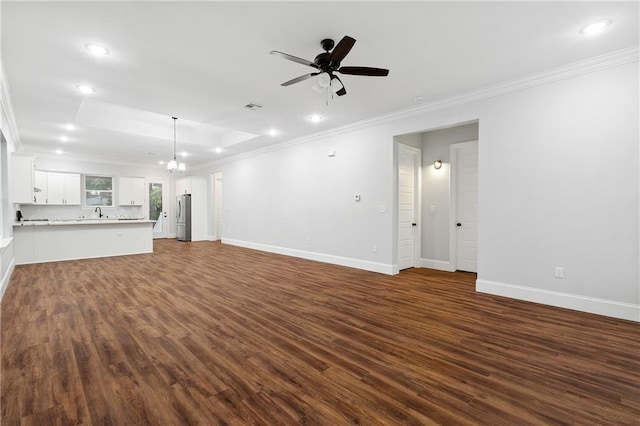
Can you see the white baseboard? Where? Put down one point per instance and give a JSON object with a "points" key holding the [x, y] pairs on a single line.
{"points": [[6, 277], [212, 238], [366, 265], [610, 308], [440, 265]]}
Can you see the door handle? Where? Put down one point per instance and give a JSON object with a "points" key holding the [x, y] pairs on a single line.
{"points": [[414, 224], [458, 224]]}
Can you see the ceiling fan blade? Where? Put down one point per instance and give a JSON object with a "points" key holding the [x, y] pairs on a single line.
{"points": [[373, 72], [342, 48], [293, 58], [342, 91], [299, 79]]}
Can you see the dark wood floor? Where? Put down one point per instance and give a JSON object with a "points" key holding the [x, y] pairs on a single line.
{"points": [[203, 333]]}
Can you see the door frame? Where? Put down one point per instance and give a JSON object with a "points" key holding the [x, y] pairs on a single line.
{"points": [[165, 203], [215, 233], [417, 204], [454, 148]]}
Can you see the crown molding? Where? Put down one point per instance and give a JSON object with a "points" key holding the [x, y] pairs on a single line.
{"points": [[576, 69], [7, 111]]}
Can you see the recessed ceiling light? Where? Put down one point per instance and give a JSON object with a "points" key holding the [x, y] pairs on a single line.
{"points": [[59, 152], [273, 132], [595, 28], [96, 49], [218, 150], [85, 90], [161, 162], [64, 138], [184, 154], [316, 118], [69, 127]]}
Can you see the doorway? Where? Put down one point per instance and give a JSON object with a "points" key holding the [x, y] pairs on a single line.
{"points": [[156, 205], [447, 160]]}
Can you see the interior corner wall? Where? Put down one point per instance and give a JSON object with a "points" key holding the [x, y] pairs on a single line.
{"points": [[436, 191], [558, 186]]}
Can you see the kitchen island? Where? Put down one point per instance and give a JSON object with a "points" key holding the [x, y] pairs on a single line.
{"points": [[56, 240]]}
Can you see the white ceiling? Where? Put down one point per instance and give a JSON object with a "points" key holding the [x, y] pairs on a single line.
{"points": [[204, 61]]}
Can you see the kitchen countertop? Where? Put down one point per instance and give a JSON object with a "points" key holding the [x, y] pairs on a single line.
{"points": [[58, 222]]}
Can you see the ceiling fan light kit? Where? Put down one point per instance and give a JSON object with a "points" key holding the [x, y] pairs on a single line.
{"points": [[327, 65]]}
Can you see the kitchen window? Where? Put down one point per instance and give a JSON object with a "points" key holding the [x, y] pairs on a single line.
{"points": [[98, 191]]}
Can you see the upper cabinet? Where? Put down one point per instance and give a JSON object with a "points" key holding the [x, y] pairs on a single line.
{"points": [[29, 186], [183, 186], [22, 180], [63, 189], [131, 191], [40, 187]]}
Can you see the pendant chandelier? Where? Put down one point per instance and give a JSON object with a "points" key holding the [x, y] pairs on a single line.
{"points": [[173, 165]]}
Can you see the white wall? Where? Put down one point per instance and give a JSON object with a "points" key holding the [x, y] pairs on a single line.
{"points": [[7, 125], [302, 200], [558, 186]]}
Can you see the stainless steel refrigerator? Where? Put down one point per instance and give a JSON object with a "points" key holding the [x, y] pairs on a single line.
{"points": [[183, 218]]}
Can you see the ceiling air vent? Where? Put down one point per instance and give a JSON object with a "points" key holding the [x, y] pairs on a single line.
{"points": [[253, 107]]}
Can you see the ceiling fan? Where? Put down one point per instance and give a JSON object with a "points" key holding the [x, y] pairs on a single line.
{"points": [[328, 62]]}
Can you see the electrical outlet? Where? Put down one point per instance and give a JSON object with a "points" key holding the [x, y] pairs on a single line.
{"points": [[374, 249], [559, 272], [306, 240]]}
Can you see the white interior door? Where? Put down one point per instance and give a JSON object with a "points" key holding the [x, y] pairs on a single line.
{"points": [[465, 156], [408, 167], [156, 205]]}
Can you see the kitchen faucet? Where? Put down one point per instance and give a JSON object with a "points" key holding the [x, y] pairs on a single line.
{"points": [[99, 211]]}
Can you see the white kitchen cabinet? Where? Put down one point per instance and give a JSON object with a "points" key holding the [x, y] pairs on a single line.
{"points": [[63, 188], [72, 193], [131, 191], [22, 180], [40, 187], [183, 186]]}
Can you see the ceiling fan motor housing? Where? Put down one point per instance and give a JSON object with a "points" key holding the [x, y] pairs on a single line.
{"points": [[324, 62]]}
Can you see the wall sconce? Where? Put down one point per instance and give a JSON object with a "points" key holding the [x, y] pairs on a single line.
{"points": [[437, 164]]}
